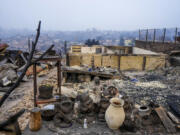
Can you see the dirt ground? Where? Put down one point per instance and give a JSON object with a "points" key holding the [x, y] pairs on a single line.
{"points": [[151, 86], [77, 129], [22, 97]]}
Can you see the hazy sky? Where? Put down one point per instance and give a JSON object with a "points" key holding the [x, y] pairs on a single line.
{"points": [[84, 14]]}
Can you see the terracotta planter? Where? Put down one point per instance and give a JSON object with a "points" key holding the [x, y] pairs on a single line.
{"points": [[115, 113]]}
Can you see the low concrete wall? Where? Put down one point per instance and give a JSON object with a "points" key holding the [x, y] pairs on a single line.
{"points": [[131, 62], [137, 50], [97, 60], [122, 62], [154, 62], [74, 60], [157, 46]]}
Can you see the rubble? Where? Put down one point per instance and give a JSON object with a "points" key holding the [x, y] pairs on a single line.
{"points": [[89, 100]]}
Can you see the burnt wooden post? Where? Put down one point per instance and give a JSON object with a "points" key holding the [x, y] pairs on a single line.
{"points": [[65, 47], [59, 75], [175, 39], [146, 35], [35, 83], [154, 37], [144, 63], [164, 35], [92, 62], [67, 59], [119, 58]]}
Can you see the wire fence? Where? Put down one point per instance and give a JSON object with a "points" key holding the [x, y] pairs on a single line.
{"points": [[159, 35]]}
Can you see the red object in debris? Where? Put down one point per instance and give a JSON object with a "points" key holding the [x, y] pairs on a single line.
{"points": [[3, 47], [30, 70]]}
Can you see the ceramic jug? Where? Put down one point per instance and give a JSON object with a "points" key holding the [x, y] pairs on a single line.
{"points": [[115, 113]]}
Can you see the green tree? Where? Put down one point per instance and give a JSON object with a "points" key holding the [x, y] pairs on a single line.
{"points": [[91, 42]]}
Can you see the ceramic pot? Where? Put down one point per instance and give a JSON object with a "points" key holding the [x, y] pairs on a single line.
{"points": [[104, 103], [47, 115], [144, 111], [66, 106], [115, 113], [45, 91]]}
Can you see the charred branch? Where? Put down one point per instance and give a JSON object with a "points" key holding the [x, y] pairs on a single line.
{"points": [[11, 120], [28, 64], [41, 57]]}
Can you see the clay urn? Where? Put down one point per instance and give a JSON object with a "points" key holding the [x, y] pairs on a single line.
{"points": [[115, 115]]}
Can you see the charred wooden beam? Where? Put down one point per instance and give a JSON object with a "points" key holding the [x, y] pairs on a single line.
{"points": [[170, 127], [11, 120]]}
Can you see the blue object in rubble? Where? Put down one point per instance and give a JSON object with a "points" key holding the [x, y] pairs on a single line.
{"points": [[134, 80]]}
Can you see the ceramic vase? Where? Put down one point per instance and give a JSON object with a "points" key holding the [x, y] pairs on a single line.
{"points": [[115, 114]]}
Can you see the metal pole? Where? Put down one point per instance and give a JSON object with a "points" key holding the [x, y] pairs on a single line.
{"points": [[154, 38], [164, 35], [35, 84], [139, 34], [146, 35], [175, 35]]}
